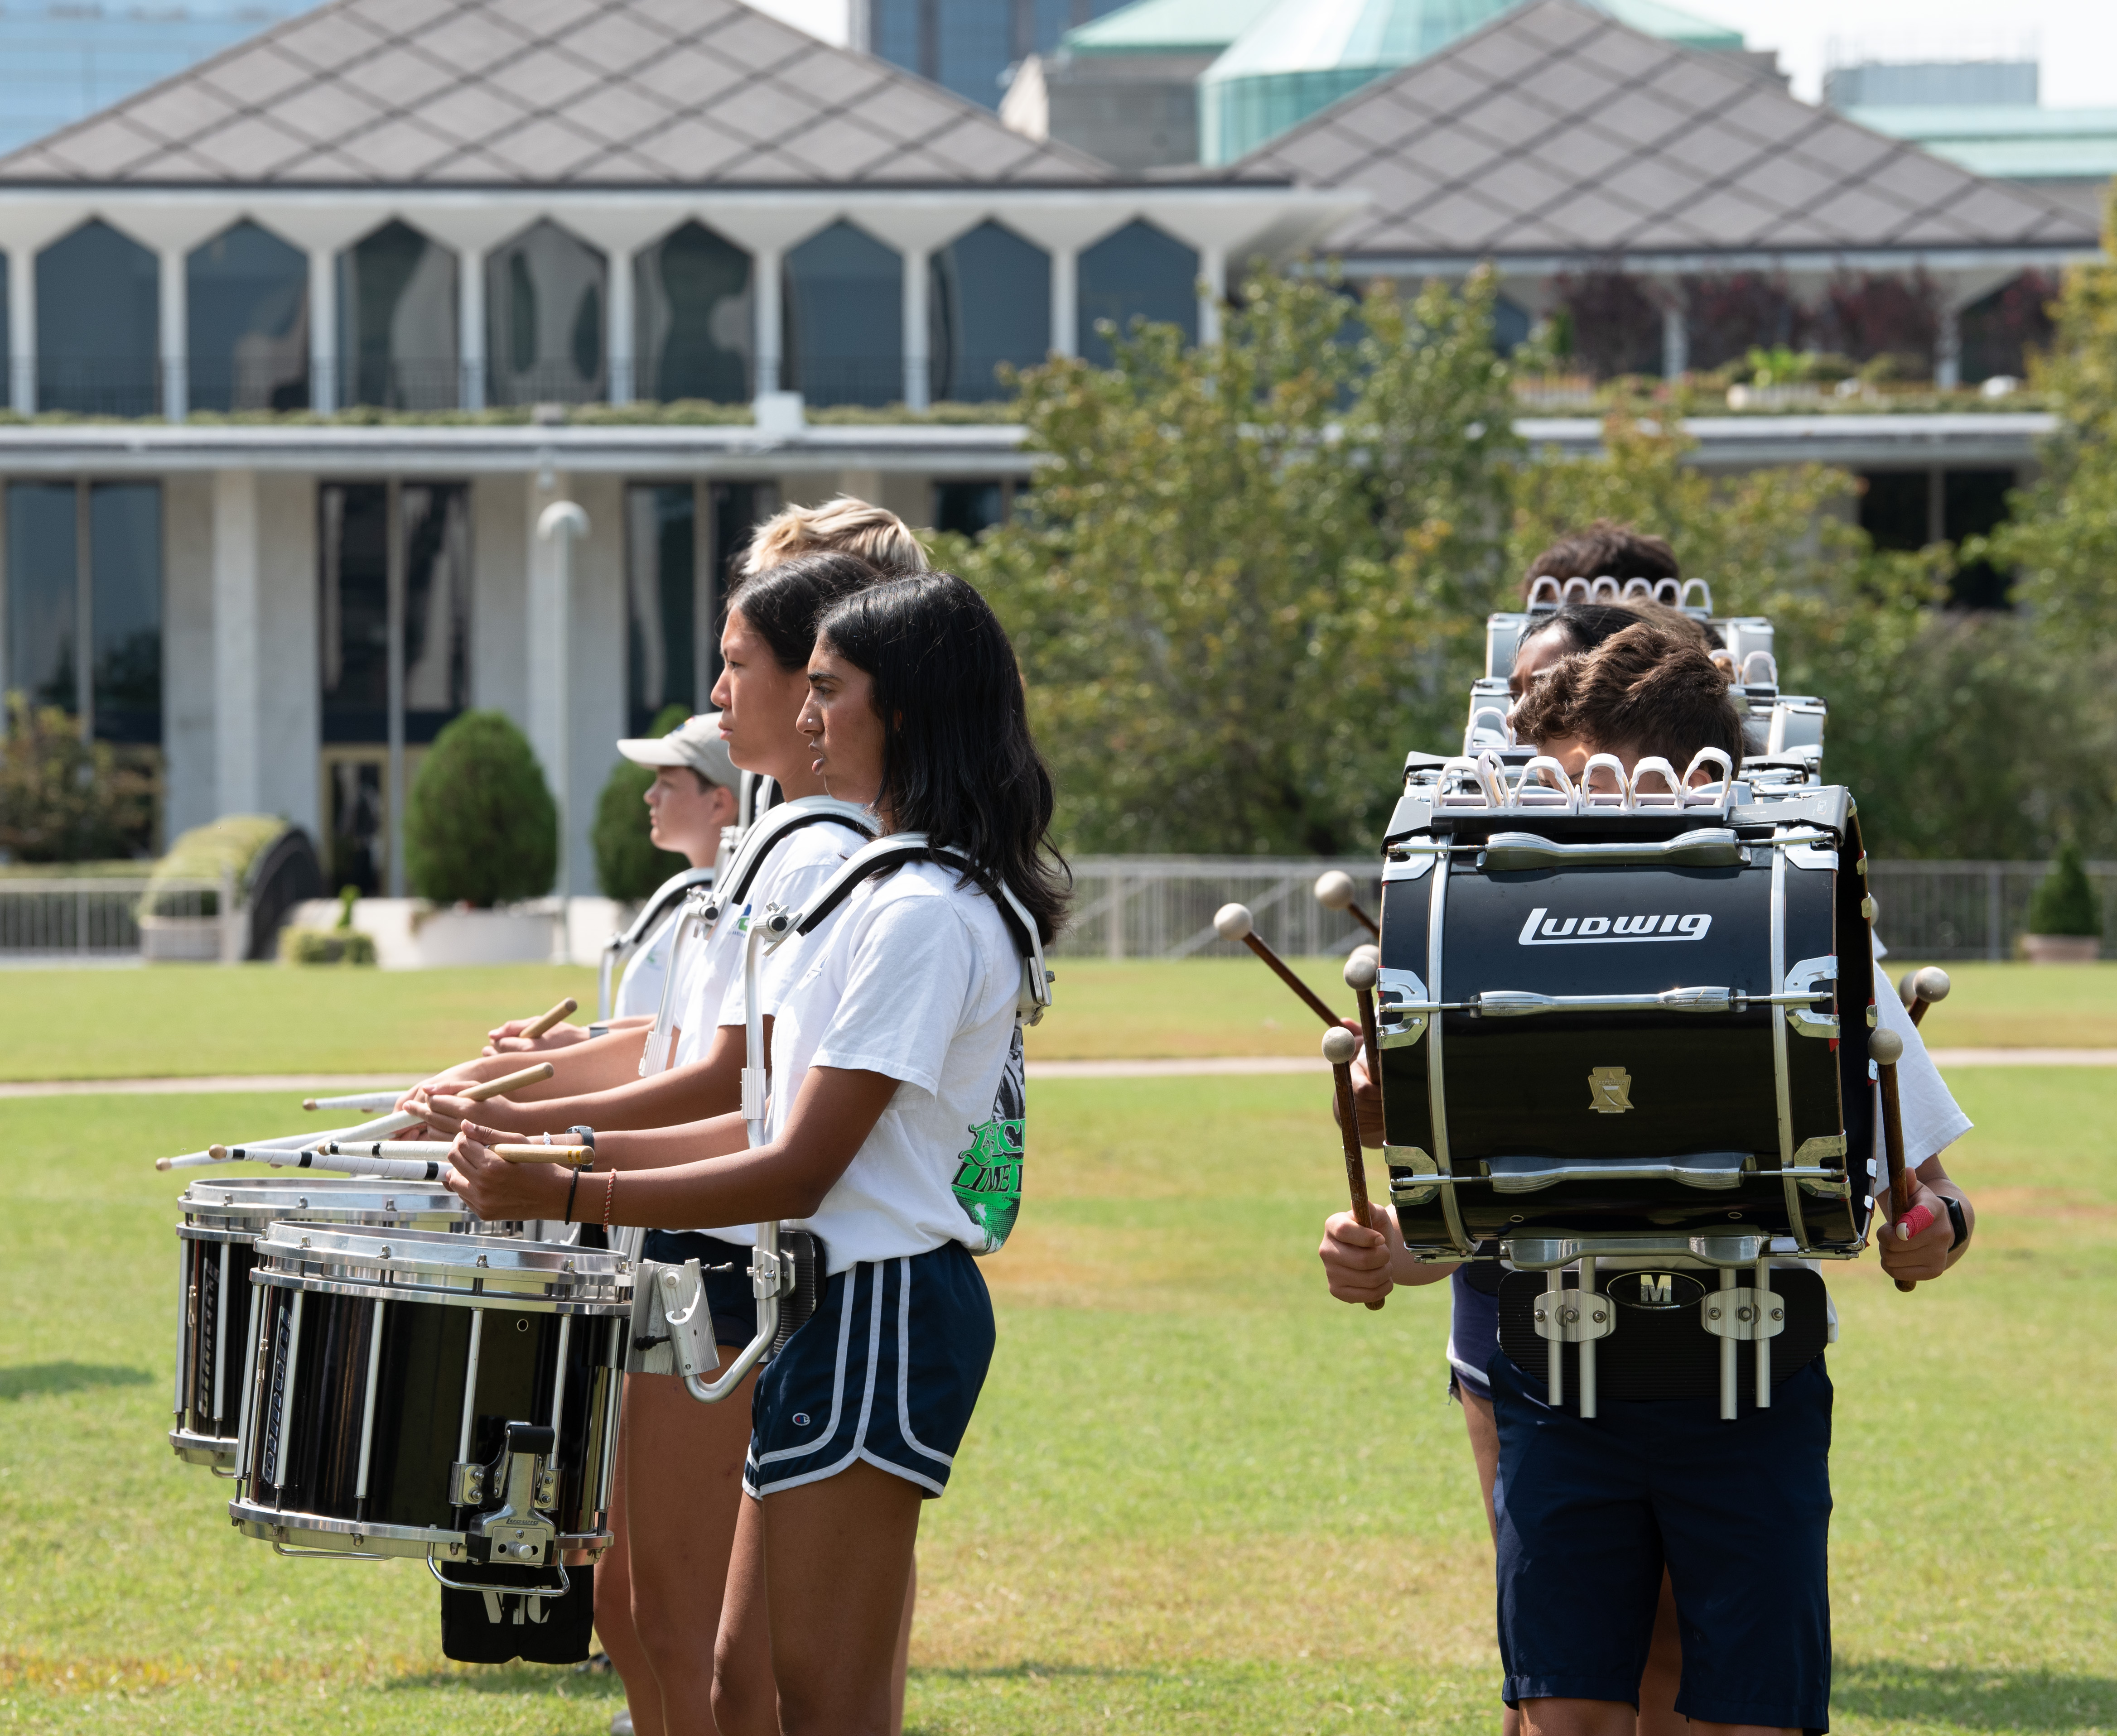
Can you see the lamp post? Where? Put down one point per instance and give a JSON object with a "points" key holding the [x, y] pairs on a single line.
{"points": [[561, 523]]}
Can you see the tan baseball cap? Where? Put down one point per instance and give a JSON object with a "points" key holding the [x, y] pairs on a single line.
{"points": [[695, 741]]}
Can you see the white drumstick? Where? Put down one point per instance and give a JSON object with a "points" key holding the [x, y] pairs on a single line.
{"points": [[383, 1169], [359, 1100]]}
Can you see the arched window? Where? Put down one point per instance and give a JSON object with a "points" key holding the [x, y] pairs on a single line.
{"points": [[544, 298], [1140, 273], [397, 321], [692, 319], [248, 310], [99, 297], [844, 322], [990, 302]]}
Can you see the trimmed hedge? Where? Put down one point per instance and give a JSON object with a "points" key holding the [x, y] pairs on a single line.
{"points": [[480, 825], [2064, 901]]}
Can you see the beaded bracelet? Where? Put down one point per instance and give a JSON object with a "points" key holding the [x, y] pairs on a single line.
{"points": [[609, 1194]]}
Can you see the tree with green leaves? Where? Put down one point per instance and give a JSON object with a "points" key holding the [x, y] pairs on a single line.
{"points": [[1246, 578], [480, 825], [63, 799]]}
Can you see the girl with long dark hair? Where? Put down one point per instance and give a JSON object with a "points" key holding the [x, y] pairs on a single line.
{"points": [[894, 1134]]}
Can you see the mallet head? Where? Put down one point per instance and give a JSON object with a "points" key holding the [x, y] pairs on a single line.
{"points": [[1362, 967], [1334, 890], [1885, 1047], [1931, 983], [1340, 1045], [1233, 922]]}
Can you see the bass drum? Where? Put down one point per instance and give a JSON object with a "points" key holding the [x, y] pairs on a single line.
{"points": [[414, 1392], [1644, 1023], [216, 1246]]}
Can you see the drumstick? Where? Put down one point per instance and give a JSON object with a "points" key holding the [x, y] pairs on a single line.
{"points": [[573, 1157], [1885, 1049], [1234, 923], [1339, 1045], [1334, 891], [477, 1093], [563, 1010], [358, 1100], [1362, 969], [1920, 988]]}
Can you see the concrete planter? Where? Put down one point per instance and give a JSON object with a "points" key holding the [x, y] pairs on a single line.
{"points": [[181, 940], [2061, 949], [484, 938]]}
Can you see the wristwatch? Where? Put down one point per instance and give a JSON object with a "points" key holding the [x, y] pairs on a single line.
{"points": [[1958, 1218]]}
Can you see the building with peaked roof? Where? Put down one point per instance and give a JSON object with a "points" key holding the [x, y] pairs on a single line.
{"points": [[1557, 141], [451, 213]]}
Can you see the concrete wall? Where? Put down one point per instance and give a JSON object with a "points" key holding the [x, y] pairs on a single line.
{"points": [[192, 797], [500, 534], [290, 698]]}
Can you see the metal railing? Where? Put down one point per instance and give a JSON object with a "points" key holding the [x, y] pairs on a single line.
{"points": [[1161, 907], [67, 919]]}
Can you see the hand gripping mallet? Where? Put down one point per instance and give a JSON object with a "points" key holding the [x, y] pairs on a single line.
{"points": [[1234, 923], [1364, 969], [1334, 891], [1340, 1045], [1920, 988], [1885, 1049]]}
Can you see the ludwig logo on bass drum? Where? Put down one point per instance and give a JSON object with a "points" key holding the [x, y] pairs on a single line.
{"points": [[1544, 929]]}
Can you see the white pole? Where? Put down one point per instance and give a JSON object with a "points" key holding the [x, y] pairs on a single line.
{"points": [[562, 522]]}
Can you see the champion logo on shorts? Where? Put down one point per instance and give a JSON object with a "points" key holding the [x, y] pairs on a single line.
{"points": [[801, 1419], [988, 1182]]}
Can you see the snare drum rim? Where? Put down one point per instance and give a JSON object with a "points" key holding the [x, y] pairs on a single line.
{"points": [[615, 1305], [447, 1254]]}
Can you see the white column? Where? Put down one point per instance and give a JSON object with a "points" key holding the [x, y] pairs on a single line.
{"points": [[1675, 344], [619, 347], [1213, 277], [544, 631], [1065, 300], [22, 330], [765, 267], [918, 375], [237, 647], [324, 389], [1947, 347], [470, 325], [176, 337]]}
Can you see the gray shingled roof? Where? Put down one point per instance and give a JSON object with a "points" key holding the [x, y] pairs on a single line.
{"points": [[1558, 130], [542, 93]]}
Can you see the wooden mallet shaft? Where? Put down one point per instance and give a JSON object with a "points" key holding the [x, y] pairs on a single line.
{"points": [[1234, 923], [1920, 988], [564, 1010], [1334, 890], [1886, 1048], [1362, 971], [1339, 1047]]}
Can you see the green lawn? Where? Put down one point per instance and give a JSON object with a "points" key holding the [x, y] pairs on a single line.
{"points": [[195, 1020], [1198, 1496]]}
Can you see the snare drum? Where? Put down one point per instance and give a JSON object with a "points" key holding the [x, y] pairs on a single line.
{"points": [[222, 1220], [415, 1393], [1641, 1022]]}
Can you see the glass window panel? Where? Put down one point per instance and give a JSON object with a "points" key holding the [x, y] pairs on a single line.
{"points": [[6, 330], [1140, 273], [247, 308], [692, 319], [125, 591], [661, 587], [359, 849], [98, 334], [990, 302], [968, 508], [544, 295], [353, 611], [398, 321], [436, 607], [844, 322], [44, 597]]}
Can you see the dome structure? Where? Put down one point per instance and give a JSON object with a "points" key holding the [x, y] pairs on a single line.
{"points": [[1301, 55]]}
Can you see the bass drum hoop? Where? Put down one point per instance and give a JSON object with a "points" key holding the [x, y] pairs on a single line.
{"points": [[274, 1525]]}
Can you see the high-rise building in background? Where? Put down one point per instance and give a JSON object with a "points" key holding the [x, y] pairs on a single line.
{"points": [[60, 62], [967, 46]]}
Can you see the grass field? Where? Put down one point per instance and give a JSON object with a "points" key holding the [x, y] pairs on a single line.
{"points": [[1198, 1496], [198, 1020]]}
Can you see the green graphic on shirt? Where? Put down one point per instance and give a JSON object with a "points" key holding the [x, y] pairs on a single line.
{"points": [[987, 1180]]}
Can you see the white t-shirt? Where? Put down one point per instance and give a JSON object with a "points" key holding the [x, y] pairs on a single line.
{"points": [[798, 867], [1932, 1120], [639, 989], [914, 977]]}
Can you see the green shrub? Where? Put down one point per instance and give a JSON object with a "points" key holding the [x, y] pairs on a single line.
{"points": [[62, 799], [325, 946], [627, 866], [230, 845], [480, 825], [2064, 902]]}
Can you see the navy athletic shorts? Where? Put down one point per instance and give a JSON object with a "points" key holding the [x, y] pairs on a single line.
{"points": [[1589, 1513], [1474, 1329], [727, 1293], [887, 1370]]}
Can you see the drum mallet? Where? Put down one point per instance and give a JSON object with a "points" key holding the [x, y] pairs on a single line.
{"points": [[1234, 923], [1885, 1049], [1334, 891], [1920, 988], [1339, 1047], [1364, 969], [564, 1010]]}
